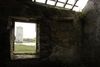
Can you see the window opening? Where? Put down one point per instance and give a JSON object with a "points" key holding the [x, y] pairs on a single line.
{"points": [[25, 40]]}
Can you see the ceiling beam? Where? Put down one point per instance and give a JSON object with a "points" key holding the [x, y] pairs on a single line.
{"points": [[34, 0], [74, 4], [65, 3], [71, 4], [56, 2], [46, 1], [53, 0]]}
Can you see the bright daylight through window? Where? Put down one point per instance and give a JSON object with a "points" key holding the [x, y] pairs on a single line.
{"points": [[75, 5], [25, 40]]}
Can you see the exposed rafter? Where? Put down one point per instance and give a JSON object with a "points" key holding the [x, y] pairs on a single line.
{"points": [[34, 0], [65, 3], [60, 2], [53, 0], [56, 2], [70, 4], [46, 1], [74, 4]]}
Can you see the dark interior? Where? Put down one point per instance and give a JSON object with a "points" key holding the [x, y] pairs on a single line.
{"points": [[66, 38]]}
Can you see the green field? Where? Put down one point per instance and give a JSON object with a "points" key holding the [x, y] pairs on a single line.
{"points": [[24, 49]]}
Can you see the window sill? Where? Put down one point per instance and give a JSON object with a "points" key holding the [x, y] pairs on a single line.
{"points": [[24, 56]]}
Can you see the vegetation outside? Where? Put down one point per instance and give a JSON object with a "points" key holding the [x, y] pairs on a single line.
{"points": [[24, 49]]}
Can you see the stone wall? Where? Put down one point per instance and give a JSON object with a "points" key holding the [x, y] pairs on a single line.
{"points": [[66, 38], [60, 33], [91, 34]]}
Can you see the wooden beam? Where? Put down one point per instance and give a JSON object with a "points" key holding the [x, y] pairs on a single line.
{"points": [[74, 4], [65, 3], [46, 1], [53, 0], [34, 0], [71, 4], [56, 2], [60, 1]]}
